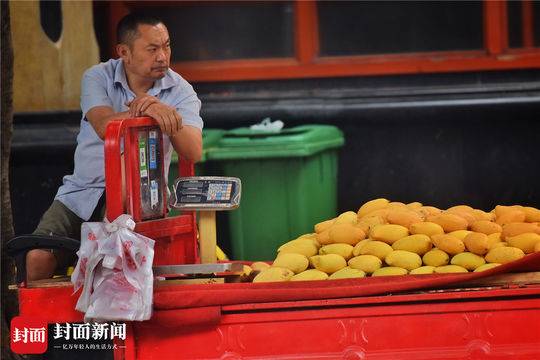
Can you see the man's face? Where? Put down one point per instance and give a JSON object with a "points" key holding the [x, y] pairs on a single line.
{"points": [[150, 53]]}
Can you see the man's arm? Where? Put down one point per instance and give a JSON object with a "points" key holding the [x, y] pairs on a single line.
{"points": [[99, 117], [188, 143]]}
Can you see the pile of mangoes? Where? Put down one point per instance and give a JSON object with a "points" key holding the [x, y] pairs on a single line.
{"points": [[393, 238]]}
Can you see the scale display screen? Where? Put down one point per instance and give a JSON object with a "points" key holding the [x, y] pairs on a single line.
{"points": [[206, 192]]}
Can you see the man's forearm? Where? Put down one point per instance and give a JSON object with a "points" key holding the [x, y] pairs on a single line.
{"points": [[188, 143], [99, 118]]}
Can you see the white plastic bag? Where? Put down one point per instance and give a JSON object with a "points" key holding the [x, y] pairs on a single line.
{"points": [[115, 271], [268, 125]]}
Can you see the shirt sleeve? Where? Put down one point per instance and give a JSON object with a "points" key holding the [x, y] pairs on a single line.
{"points": [[93, 91], [189, 106]]}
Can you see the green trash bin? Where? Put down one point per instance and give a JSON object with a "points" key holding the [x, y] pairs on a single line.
{"points": [[289, 183]]}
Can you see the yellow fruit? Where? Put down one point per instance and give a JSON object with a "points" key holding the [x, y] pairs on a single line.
{"points": [[467, 215], [449, 222], [377, 248], [513, 229], [402, 217], [429, 211], [346, 234], [389, 233], [323, 237], [482, 215], [324, 225], [294, 262], [510, 217], [493, 238], [304, 246], [435, 257], [390, 271], [311, 274], [343, 250], [525, 242], [403, 259], [366, 263], [419, 244], [329, 263], [414, 205], [476, 243], [468, 260], [448, 244], [498, 244], [273, 274], [461, 208], [259, 266], [448, 269], [246, 270], [531, 214], [348, 217], [366, 223], [460, 234], [383, 213], [537, 247], [486, 227], [422, 270], [347, 273], [371, 206], [486, 267], [503, 255], [396, 205], [359, 246], [503, 209], [426, 228]]}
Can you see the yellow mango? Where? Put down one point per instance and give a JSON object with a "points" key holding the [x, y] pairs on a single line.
{"points": [[294, 262], [426, 228], [517, 228], [435, 257], [344, 250], [259, 266], [537, 247], [510, 217], [414, 205], [403, 259], [460, 234], [273, 274], [366, 223], [525, 241], [449, 244], [503, 209], [503, 255], [396, 205], [310, 274], [477, 243], [371, 206], [486, 267], [467, 215], [498, 244], [383, 213], [303, 246], [359, 246], [347, 273], [448, 269], [329, 263], [531, 214], [389, 233], [346, 234], [366, 263], [402, 217], [461, 208], [468, 260], [390, 271], [482, 215], [418, 243], [323, 237], [348, 217], [426, 211], [486, 227], [324, 225], [377, 248], [423, 270], [493, 238], [449, 222]]}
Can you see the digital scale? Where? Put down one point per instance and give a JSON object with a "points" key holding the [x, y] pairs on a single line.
{"points": [[206, 193]]}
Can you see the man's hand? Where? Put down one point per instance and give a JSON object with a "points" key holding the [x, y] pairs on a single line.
{"points": [[140, 104], [168, 119]]}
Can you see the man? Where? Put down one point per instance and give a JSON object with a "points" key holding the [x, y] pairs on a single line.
{"points": [[140, 83]]}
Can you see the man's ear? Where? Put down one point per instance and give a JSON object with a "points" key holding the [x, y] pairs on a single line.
{"points": [[123, 51]]}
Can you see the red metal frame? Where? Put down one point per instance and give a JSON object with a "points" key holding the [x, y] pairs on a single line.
{"points": [[495, 56], [176, 237]]}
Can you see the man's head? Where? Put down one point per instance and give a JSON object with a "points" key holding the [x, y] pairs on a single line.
{"points": [[144, 45]]}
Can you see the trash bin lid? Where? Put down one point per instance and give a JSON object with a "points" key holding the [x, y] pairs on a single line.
{"points": [[306, 140]]}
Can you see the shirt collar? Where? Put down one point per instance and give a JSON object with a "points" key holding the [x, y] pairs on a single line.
{"points": [[164, 83]]}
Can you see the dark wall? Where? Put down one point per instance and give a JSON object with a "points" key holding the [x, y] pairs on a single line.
{"points": [[438, 139]]}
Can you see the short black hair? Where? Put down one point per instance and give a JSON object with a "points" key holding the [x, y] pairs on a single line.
{"points": [[126, 30]]}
